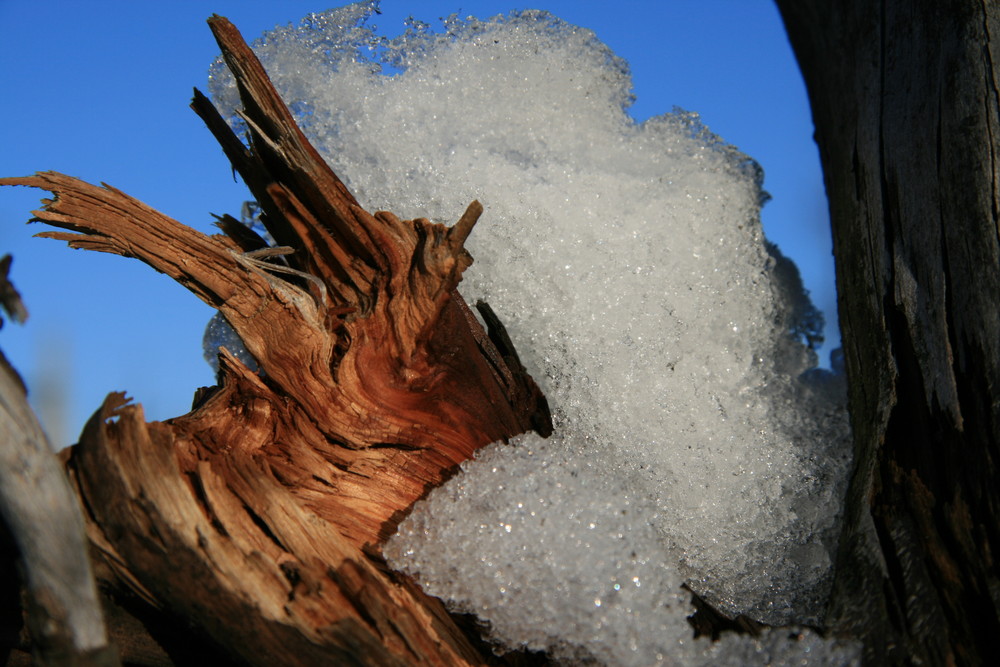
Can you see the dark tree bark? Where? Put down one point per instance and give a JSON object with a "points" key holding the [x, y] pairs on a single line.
{"points": [[905, 102], [272, 495]]}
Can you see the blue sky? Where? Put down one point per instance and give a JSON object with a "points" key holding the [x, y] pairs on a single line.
{"points": [[100, 90]]}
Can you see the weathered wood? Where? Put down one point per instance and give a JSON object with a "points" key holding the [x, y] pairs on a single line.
{"points": [[43, 521], [257, 517], [905, 101]]}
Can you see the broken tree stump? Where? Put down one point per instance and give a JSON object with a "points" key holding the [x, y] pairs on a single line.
{"points": [[257, 517]]}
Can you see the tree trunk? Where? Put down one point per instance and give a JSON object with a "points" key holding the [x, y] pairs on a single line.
{"points": [[906, 107], [258, 516]]}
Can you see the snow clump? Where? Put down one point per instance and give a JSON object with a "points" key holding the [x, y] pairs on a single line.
{"points": [[696, 443]]}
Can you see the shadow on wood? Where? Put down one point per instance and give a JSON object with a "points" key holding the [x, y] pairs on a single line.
{"points": [[906, 103]]}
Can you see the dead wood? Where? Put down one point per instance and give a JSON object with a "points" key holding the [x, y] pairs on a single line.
{"points": [[906, 104], [41, 531], [257, 517]]}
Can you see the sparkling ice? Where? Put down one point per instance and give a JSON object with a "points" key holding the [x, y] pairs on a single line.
{"points": [[695, 441]]}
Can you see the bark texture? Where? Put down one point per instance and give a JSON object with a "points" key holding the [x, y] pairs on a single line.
{"points": [[257, 517], [906, 107]]}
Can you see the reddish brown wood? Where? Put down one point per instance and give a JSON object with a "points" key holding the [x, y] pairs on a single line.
{"points": [[257, 516]]}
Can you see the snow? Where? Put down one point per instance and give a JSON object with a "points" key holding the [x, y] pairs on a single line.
{"points": [[695, 440]]}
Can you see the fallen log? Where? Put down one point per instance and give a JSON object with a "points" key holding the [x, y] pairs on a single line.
{"points": [[256, 518]]}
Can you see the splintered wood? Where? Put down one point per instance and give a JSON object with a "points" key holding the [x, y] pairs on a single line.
{"points": [[257, 517]]}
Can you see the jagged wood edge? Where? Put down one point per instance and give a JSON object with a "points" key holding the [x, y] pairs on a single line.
{"points": [[106, 219]]}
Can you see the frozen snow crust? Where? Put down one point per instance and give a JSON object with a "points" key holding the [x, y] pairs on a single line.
{"points": [[628, 263]]}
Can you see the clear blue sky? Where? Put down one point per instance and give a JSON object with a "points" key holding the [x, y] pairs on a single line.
{"points": [[100, 90]]}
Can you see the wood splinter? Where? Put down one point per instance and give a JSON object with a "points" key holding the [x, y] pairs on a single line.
{"points": [[256, 518]]}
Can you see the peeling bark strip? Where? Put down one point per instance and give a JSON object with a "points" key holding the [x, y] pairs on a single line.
{"points": [[257, 516]]}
